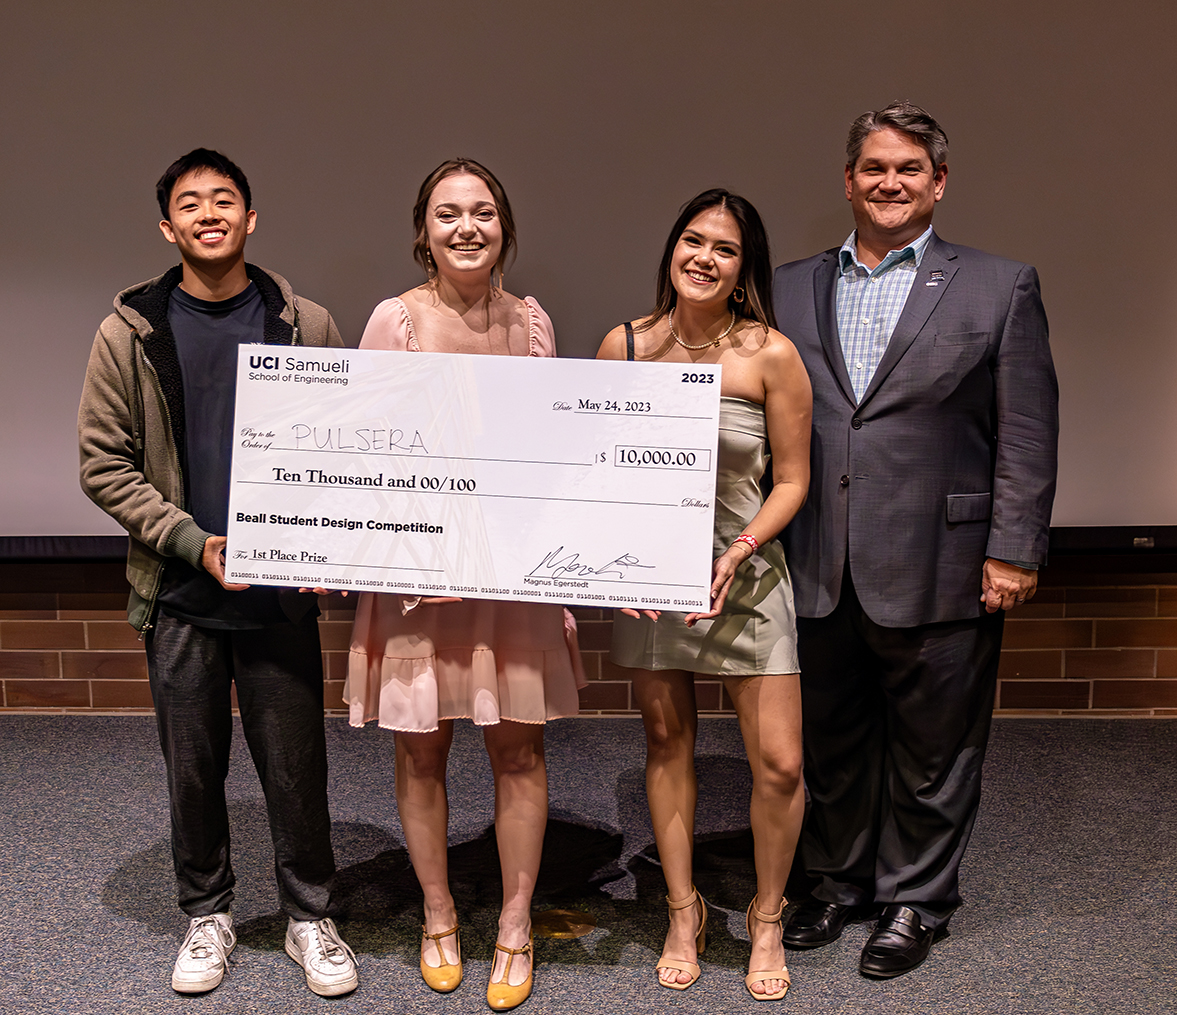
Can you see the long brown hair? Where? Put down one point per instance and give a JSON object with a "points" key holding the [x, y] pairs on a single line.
{"points": [[755, 269], [454, 167]]}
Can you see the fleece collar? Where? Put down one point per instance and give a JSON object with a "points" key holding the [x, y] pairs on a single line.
{"points": [[150, 303]]}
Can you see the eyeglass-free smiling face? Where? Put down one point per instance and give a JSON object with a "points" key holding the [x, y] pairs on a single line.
{"points": [[207, 219], [892, 188], [462, 225], [707, 260]]}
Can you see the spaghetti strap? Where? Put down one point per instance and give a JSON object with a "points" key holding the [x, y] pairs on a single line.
{"points": [[629, 340]]}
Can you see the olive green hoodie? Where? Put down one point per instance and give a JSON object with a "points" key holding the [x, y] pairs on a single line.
{"points": [[131, 422]]}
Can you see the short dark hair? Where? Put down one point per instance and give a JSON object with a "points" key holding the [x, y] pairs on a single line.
{"points": [[195, 160], [756, 260], [455, 167], [902, 116]]}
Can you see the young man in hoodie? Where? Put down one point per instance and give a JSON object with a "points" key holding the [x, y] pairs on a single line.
{"points": [[156, 431]]}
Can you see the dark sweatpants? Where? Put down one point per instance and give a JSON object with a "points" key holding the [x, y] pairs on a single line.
{"points": [[896, 721], [279, 676]]}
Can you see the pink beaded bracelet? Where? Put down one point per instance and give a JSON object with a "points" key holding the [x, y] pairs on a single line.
{"points": [[752, 541]]}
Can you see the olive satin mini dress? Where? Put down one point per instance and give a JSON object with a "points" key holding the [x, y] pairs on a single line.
{"points": [[757, 631]]}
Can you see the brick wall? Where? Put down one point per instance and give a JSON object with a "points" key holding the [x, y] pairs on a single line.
{"points": [[1100, 638]]}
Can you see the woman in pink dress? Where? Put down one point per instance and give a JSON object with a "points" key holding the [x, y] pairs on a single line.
{"points": [[418, 664]]}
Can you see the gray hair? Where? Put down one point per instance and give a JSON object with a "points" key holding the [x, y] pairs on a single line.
{"points": [[902, 116]]}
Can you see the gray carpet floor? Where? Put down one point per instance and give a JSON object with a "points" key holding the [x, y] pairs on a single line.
{"points": [[1070, 893]]}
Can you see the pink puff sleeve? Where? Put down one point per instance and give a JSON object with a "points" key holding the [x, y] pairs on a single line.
{"points": [[540, 331], [391, 327]]}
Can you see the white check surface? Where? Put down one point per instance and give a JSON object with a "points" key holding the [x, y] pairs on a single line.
{"points": [[492, 477]]}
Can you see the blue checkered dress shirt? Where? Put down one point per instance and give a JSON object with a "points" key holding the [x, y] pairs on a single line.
{"points": [[869, 304]]}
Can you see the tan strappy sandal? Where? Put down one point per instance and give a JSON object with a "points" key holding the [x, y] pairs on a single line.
{"points": [[447, 976], [500, 995], [690, 968], [764, 975]]}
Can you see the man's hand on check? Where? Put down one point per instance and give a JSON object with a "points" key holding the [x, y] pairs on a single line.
{"points": [[213, 561]]}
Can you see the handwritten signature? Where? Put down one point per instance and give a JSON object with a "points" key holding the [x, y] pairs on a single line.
{"points": [[557, 564]]}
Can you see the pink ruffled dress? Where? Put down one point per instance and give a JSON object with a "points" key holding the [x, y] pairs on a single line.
{"points": [[413, 665]]}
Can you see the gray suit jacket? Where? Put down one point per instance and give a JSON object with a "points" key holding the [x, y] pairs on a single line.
{"points": [[950, 457]]}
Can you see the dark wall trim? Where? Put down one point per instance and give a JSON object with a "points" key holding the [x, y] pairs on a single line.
{"points": [[1118, 539], [63, 547]]}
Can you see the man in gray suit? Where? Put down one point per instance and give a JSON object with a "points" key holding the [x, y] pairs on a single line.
{"points": [[935, 427]]}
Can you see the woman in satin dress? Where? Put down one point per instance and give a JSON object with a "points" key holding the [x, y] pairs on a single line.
{"points": [[714, 307]]}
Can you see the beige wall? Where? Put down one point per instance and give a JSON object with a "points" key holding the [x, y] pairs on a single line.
{"points": [[601, 119]]}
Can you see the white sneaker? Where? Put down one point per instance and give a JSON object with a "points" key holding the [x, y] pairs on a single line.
{"points": [[329, 964], [204, 955]]}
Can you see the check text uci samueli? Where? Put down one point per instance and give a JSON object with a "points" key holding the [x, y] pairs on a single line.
{"points": [[300, 371]]}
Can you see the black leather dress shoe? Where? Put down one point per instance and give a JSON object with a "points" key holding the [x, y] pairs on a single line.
{"points": [[899, 944], [815, 923]]}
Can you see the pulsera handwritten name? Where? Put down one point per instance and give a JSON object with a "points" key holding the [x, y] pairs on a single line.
{"points": [[343, 438]]}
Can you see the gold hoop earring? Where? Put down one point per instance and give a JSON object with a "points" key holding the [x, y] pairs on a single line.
{"points": [[740, 297]]}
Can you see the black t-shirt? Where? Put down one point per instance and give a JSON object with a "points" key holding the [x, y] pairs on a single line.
{"points": [[207, 335]]}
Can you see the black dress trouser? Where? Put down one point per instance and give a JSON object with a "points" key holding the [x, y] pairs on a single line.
{"points": [[278, 672], [896, 721]]}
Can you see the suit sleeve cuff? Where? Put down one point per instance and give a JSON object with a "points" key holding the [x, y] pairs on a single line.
{"points": [[1028, 565]]}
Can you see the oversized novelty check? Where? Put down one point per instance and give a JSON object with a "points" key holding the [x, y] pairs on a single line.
{"points": [[491, 477]]}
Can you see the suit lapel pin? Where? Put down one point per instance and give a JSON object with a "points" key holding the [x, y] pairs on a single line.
{"points": [[935, 276]]}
